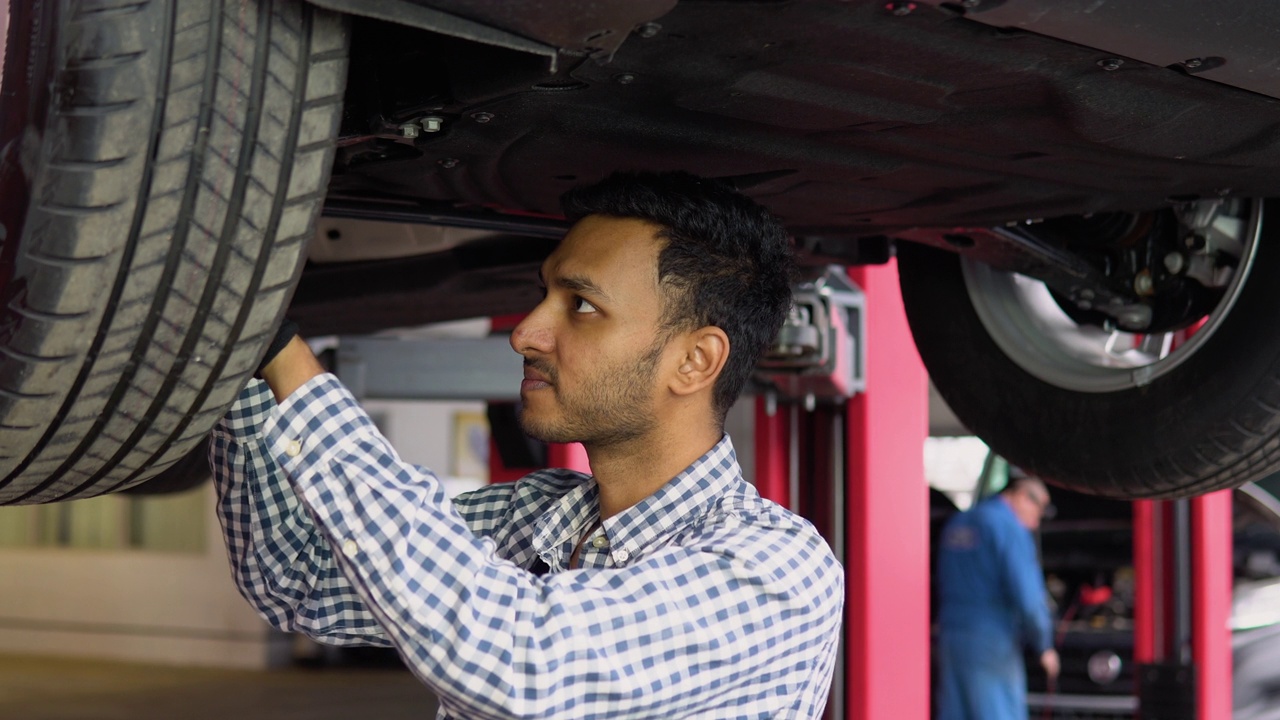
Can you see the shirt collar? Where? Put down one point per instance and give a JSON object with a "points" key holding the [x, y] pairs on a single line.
{"points": [[677, 504]]}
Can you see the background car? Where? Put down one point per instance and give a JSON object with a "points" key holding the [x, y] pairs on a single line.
{"points": [[1080, 213]]}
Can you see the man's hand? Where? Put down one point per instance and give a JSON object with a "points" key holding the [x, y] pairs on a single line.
{"points": [[291, 368], [1050, 662]]}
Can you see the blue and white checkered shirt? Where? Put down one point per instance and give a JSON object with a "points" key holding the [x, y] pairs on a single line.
{"points": [[703, 600]]}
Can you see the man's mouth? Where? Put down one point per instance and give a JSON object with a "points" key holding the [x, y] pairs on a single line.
{"points": [[534, 379]]}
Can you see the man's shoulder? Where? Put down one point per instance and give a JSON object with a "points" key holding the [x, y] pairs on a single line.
{"points": [[745, 523]]}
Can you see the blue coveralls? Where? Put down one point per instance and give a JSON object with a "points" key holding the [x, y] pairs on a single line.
{"points": [[991, 601]]}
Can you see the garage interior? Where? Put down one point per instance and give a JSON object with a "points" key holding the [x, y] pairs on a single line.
{"points": [[1031, 140]]}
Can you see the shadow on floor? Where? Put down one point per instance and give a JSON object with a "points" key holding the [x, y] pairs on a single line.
{"points": [[55, 689]]}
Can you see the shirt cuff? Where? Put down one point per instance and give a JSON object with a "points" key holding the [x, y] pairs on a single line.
{"points": [[313, 422], [248, 414]]}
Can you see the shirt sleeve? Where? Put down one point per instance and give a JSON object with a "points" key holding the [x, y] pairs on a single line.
{"points": [[1025, 584], [666, 636], [281, 563]]}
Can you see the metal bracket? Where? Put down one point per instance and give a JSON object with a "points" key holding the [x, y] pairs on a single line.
{"points": [[820, 352]]}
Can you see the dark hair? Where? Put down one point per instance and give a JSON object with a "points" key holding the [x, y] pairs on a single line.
{"points": [[727, 260]]}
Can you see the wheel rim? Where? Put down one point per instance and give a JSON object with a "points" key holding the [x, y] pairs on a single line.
{"points": [[1027, 324]]}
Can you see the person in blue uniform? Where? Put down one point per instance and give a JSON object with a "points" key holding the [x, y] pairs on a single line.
{"points": [[991, 604]]}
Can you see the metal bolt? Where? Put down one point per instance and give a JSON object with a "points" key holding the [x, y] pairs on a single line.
{"points": [[447, 163], [1175, 263], [1084, 304], [900, 8], [1142, 284], [1086, 294], [482, 117], [648, 30], [432, 123], [1110, 64], [409, 130], [1192, 63], [624, 78]]}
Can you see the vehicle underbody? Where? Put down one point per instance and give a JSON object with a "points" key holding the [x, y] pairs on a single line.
{"points": [[857, 123], [1076, 196]]}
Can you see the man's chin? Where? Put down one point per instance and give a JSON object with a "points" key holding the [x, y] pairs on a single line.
{"points": [[545, 431]]}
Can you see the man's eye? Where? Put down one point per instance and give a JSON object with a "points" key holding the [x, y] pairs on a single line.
{"points": [[582, 306]]}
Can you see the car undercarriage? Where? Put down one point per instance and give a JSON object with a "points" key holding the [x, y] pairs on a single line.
{"points": [[1074, 193]]}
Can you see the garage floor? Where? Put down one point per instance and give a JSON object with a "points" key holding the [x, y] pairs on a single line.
{"points": [[45, 689]]}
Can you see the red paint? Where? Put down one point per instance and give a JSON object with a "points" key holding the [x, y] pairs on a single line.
{"points": [[505, 323], [887, 523], [1211, 603], [572, 456], [1091, 596], [772, 447], [1144, 616]]}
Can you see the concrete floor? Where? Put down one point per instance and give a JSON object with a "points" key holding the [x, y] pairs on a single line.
{"points": [[52, 689]]}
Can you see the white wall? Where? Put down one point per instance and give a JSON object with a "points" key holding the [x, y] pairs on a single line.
{"points": [[178, 608]]}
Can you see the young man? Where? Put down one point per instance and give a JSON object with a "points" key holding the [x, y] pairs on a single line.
{"points": [[991, 602], [661, 586]]}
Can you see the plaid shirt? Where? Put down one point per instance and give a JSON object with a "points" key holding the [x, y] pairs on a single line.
{"points": [[703, 600]]}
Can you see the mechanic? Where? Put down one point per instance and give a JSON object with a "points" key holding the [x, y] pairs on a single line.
{"points": [[992, 602], [661, 586]]}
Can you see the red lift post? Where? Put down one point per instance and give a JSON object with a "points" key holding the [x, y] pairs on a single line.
{"points": [[886, 550], [1182, 641]]}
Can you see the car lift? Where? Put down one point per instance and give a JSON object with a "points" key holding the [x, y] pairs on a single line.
{"points": [[843, 403]]}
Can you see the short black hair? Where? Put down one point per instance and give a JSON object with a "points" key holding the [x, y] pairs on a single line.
{"points": [[727, 261]]}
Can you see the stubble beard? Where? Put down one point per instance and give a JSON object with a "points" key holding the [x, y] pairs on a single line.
{"points": [[614, 406]]}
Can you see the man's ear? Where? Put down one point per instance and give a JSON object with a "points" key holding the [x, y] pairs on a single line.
{"points": [[705, 351]]}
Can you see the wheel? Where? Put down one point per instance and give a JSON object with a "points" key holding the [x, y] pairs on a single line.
{"points": [[1084, 405], [161, 167]]}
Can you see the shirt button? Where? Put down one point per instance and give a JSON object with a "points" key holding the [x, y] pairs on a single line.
{"points": [[601, 541], [621, 556], [293, 449], [349, 548]]}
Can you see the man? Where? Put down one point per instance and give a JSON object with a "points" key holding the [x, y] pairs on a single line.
{"points": [[992, 603], [670, 588]]}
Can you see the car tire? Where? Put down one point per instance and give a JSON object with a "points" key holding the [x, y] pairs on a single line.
{"points": [[1211, 422], [161, 167]]}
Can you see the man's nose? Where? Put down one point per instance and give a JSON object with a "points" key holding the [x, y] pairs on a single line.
{"points": [[532, 334]]}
